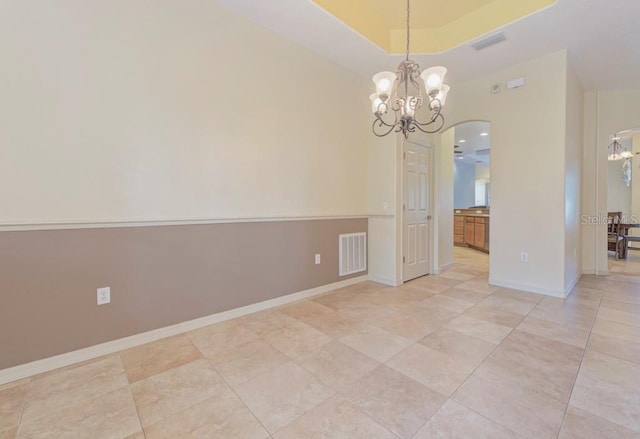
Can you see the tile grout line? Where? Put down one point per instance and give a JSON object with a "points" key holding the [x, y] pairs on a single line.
{"points": [[335, 393], [144, 435], [372, 417], [24, 404], [237, 396], [448, 398], [205, 358], [584, 352], [481, 363], [289, 359]]}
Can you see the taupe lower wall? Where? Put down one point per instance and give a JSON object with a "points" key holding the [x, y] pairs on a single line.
{"points": [[158, 276]]}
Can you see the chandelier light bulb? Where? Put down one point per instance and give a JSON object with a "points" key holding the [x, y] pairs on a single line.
{"points": [[377, 106], [433, 78], [441, 97], [410, 107], [384, 84]]}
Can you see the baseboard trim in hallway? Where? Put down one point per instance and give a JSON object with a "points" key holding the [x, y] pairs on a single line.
{"points": [[528, 288], [47, 364]]}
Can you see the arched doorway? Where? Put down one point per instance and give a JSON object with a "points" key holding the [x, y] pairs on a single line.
{"points": [[465, 194]]}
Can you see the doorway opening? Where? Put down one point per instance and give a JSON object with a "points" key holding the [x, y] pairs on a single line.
{"points": [[467, 147], [623, 203]]}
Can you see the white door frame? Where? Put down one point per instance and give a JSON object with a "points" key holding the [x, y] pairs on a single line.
{"points": [[400, 198]]}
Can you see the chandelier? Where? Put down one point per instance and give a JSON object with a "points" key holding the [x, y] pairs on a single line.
{"points": [[404, 93], [617, 151]]}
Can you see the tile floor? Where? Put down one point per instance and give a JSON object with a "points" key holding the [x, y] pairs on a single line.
{"points": [[441, 357]]}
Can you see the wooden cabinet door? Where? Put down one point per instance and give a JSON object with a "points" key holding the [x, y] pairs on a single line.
{"points": [[486, 235], [478, 240], [469, 231], [458, 234]]}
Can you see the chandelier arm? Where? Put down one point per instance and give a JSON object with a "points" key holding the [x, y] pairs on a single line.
{"points": [[380, 123], [420, 126], [437, 107], [396, 106], [435, 114], [415, 83]]}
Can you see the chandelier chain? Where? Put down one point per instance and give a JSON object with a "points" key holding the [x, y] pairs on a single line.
{"points": [[408, 26]]}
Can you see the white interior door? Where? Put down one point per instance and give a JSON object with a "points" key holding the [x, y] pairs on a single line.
{"points": [[416, 211]]}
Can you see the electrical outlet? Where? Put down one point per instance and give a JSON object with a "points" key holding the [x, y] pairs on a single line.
{"points": [[317, 258], [524, 257], [104, 295]]}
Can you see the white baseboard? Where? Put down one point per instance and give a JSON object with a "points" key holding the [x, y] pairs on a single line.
{"points": [[527, 288], [446, 267], [572, 284], [47, 364], [597, 273], [385, 281]]}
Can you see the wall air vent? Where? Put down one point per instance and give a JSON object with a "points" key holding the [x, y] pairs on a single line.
{"points": [[352, 253], [489, 41]]}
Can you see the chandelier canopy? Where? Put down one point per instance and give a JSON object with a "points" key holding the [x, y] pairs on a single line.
{"points": [[617, 151], [404, 93]]}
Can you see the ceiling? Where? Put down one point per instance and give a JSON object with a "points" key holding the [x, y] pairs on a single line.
{"points": [[383, 22], [600, 36], [468, 136]]}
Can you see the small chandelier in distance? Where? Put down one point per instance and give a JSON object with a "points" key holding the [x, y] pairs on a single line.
{"points": [[617, 151], [403, 93]]}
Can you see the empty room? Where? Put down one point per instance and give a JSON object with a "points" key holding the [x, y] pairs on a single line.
{"points": [[300, 219]]}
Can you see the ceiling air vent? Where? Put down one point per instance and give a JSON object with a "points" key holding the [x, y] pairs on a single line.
{"points": [[489, 41]]}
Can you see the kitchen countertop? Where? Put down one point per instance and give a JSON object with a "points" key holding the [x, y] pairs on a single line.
{"points": [[480, 215], [471, 212]]}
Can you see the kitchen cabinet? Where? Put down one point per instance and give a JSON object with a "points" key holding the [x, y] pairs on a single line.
{"points": [[471, 228]]}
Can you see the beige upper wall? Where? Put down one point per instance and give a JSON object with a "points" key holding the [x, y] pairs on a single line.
{"points": [[383, 204], [527, 169], [445, 189], [120, 110], [573, 178]]}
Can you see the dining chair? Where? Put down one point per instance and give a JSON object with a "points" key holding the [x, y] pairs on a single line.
{"points": [[616, 242]]}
